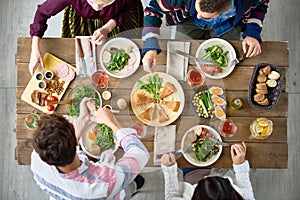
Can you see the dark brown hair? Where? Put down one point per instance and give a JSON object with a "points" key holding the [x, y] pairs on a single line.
{"points": [[211, 6], [215, 188], [55, 140]]}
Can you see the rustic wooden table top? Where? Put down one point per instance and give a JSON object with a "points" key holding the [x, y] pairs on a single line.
{"points": [[269, 153]]}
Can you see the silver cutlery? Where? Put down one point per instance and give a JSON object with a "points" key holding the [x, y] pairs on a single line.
{"points": [[237, 60], [81, 57], [200, 61], [224, 144], [90, 59]]}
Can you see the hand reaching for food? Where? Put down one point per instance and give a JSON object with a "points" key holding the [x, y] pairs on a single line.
{"points": [[36, 56], [168, 159], [238, 153], [149, 61]]}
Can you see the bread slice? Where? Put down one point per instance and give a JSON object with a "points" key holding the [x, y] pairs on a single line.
{"points": [[140, 97], [148, 113], [267, 70], [261, 78], [261, 72], [259, 97], [173, 105], [168, 89], [264, 102], [272, 83], [161, 114], [274, 75], [258, 91], [261, 86]]}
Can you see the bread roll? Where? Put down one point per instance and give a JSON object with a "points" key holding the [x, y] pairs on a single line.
{"points": [[259, 97], [272, 83], [274, 75], [261, 86], [258, 91], [264, 102], [267, 70], [261, 78], [261, 72]]}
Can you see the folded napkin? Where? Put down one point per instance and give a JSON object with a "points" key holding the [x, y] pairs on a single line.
{"points": [[90, 61], [164, 141], [176, 64]]}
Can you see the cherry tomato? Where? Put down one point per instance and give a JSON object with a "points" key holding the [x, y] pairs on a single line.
{"points": [[50, 107], [203, 132], [47, 102], [53, 98], [209, 135], [218, 70]]}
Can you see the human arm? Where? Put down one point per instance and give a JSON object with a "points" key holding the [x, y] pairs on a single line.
{"points": [[100, 35], [241, 168], [251, 34], [36, 56]]}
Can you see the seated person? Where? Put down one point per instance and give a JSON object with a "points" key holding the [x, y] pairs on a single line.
{"points": [[99, 18], [230, 187], [204, 19], [65, 173]]}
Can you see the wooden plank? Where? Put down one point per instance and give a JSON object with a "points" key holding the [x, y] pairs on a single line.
{"points": [[278, 50]]}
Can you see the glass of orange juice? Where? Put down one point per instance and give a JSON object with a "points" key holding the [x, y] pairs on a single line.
{"points": [[261, 128]]}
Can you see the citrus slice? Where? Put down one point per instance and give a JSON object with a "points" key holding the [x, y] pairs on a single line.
{"points": [[265, 131], [92, 136], [263, 123], [219, 112], [258, 129]]}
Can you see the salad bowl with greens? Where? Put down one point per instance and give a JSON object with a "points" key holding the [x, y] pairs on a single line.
{"points": [[198, 149], [221, 53]]}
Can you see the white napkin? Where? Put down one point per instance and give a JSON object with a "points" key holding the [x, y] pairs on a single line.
{"points": [[164, 141], [90, 69], [177, 65]]}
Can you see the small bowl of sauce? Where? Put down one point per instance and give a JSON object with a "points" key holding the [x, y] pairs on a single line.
{"points": [[106, 95]]}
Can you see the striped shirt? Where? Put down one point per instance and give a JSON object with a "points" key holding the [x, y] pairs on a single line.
{"points": [[105, 179]]}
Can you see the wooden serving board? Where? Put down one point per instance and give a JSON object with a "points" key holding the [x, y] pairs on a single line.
{"points": [[50, 61]]}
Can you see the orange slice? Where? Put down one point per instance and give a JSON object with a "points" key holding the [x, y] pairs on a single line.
{"points": [[218, 100], [265, 131], [92, 136], [219, 112], [216, 90]]}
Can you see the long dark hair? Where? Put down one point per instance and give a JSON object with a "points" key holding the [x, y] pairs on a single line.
{"points": [[55, 140], [215, 188]]}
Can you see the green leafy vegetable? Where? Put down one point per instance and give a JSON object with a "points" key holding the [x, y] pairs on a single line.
{"points": [[153, 86], [119, 59], [217, 55], [204, 149], [84, 91], [104, 137]]}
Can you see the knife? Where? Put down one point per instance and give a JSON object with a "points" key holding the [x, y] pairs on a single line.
{"points": [[237, 60], [224, 144], [81, 56], [200, 61], [91, 63]]}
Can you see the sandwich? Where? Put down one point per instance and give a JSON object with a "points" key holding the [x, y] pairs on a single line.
{"points": [[172, 105], [141, 97], [148, 113], [161, 114], [168, 89]]}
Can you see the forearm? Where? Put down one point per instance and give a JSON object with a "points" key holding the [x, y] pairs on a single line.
{"points": [[110, 25], [171, 181]]}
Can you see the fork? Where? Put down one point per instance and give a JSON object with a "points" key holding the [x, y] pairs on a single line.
{"points": [[237, 60]]}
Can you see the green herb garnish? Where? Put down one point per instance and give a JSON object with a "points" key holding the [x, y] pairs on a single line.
{"points": [[104, 137], [153, 86], [217, 55], [119, 59]]}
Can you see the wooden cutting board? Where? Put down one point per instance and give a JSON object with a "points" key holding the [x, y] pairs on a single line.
{"points": [[50, 61]]}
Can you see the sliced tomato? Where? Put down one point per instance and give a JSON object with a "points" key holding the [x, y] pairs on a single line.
{"points": [[52, 98], [208, 68], [47, 102], [218, 70], [203, 132]]}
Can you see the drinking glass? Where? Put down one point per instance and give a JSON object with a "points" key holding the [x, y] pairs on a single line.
{"points": [[195, 77], [99, 79], [227, 128], [261, 128]]}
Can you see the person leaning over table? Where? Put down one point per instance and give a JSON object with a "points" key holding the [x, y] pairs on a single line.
{"points": [[65, 173], [204, 19], [99, 18], [230, 187]]}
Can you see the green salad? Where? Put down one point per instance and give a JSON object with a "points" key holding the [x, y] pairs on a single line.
{"points": [[217, 55], [84, 91], [153, 86], [104, 137], [119, 59]]}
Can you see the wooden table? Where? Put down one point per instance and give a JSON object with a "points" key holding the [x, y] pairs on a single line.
{"points": [[269, 153]]}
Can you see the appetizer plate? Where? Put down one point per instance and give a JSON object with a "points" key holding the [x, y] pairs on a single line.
{"points": [[273, 93], [120, 43], [190, 156], [50, 62], [195, 107], [226, 47], [85, 91], [177, 96], [85, 142]]}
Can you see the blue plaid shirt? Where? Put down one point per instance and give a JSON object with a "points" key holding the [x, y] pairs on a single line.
{"points": [[221, 24]]}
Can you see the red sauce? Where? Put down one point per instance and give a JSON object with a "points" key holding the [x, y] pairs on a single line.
{"points": [[194, 77], [99, 79], [228, 128]]}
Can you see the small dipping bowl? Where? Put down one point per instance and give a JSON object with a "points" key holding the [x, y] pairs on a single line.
{"points": [[39, 76], [42, 84], [99, 79], [48, 75], [31, 121], [106, 95], [107, 107]]}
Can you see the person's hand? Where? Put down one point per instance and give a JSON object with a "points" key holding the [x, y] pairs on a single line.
{"points": [[105, 116], [149, 61], [84, 117], [168, 159], [251, 47], [36, 56], [100, 35], [238, 153]]}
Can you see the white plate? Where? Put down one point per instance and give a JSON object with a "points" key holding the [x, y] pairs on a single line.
{"points": [[120, 42], [226, 47], [85, 142], [177, 96], [190, 155]]}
